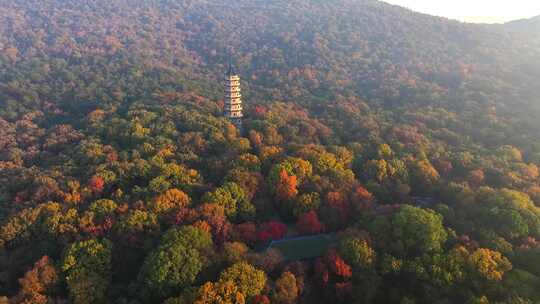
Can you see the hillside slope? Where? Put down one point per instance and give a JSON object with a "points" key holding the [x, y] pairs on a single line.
{"points": [[375, 49]]}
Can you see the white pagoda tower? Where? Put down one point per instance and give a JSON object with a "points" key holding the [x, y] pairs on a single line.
{"points": [[233, 98]]}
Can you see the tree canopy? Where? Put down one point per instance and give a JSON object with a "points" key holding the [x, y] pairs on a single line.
{"points": [[399, 152]]}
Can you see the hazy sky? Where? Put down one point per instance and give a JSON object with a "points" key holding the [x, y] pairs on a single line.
{"points": [[491, 11]]}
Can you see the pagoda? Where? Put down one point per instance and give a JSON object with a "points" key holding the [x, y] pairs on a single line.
{"points": [[233, 98]]}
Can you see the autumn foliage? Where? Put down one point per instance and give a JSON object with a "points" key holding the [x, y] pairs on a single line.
{"points": [[170, 200], [309, 223], [334, 274], [286, 188], [394, 155], [96, 184], [39, 284], [272, 230]]}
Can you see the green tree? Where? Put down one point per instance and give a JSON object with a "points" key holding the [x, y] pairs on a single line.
{"points": [[233, 198], [103, 207], [305, 203], [176, 262], [356, 252], [411, 231], [87, 268]]}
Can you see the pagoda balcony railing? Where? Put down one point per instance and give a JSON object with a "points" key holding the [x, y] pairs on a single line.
{"points": [[233, 95], [234, 114]]}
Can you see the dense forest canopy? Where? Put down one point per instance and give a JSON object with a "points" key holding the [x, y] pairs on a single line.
{"points": [[407, 146]]}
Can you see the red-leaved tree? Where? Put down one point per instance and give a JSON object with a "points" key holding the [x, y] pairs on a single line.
{"points": [[334, 275], [272, 230], [246, 232], [308, 223], [96, 184]]}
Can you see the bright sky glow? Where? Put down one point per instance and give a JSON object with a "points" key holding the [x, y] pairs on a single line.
{"points": [[487, 11]]}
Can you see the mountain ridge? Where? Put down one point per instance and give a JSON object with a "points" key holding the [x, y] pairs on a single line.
{"points": [[530, 25]]}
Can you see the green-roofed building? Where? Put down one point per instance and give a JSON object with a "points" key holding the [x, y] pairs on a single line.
{"points": [[302, 248]]}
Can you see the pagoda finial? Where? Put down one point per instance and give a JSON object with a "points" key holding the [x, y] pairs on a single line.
{"points": [[230, 70]]}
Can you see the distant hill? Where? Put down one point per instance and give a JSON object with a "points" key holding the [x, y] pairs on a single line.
{"points": [[381, 51], [531, 25]]}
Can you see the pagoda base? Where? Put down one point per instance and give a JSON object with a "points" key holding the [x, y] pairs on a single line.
{"points": [[237, 122]]}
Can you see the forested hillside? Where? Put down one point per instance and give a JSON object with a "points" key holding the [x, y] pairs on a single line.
{"points": [[410, 143]]}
